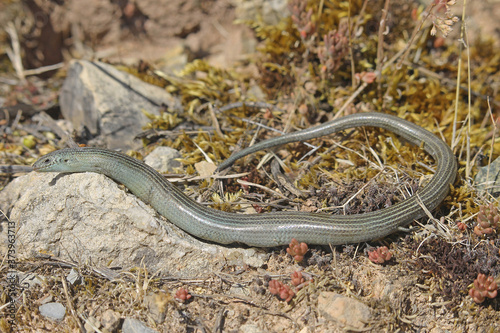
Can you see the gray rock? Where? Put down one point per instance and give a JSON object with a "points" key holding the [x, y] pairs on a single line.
{"points": [[163, 160], [92, 324], [238, 289], [29, 280], [250, 328], [110, 320], [488, 178], [343, 310], [45, 300], [157, 304], [109, 102], [86, 217], [269, 11], [55, 311], [131, 325], [73, 276]]}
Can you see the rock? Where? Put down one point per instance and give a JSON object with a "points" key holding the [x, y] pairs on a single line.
{"points": [[73, 276], [344, 310], [92, 324], [29, 280], [109, 102], [131, 325], [163, 160], [45, 300], [488, 178], [86, 217], [55, 311], [269, 11], [110, 320], [238, 289], [157, 305], [250, 328], [205, 169]]}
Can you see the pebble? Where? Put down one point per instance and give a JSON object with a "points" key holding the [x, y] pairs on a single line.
{"points": [[131, 325], [162, 159], [344, 310], [110, 320], [53, 310]]}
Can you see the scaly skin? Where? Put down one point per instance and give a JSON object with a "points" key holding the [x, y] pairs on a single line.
{"points": [[278, 228]]}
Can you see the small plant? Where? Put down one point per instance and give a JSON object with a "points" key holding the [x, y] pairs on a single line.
{"points": [[182, 295], [380, 255], [245, 187], [444, 23], [483, 287], [297, 278], [336, 47], [284, 292], [258, 209], [461, 226], [367, 77], [297, 250], [487, 220], [302, 19], [300, 279]]}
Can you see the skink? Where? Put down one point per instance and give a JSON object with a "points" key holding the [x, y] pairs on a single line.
{"points": [[277, 228]]}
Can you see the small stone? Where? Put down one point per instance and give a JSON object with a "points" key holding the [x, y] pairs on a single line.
{"points": [[73, 276], [238, 290], [131, 325], [205, 169], [30, 280], [157, 305], [250, 328], [487, 178], [55, 311], [110, 320], [344, 310], [91, 324], [162, 159], [46, 300]]}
